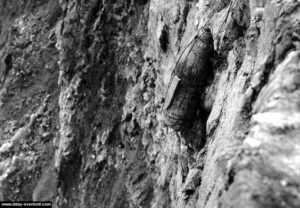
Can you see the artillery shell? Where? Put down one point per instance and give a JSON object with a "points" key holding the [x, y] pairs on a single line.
{"points": [[187, 82]]}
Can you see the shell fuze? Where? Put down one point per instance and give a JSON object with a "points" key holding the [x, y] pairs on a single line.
{"points": [[187, 82]]}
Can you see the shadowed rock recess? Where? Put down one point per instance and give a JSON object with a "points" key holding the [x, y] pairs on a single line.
{"points": [[82, 89]]}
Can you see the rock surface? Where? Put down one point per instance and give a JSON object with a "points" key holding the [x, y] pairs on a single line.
{"points": [[83, 83]]}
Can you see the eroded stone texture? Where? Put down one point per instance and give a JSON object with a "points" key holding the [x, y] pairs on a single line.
{"points": [[28, 97], [106, 66], [265, 172]]}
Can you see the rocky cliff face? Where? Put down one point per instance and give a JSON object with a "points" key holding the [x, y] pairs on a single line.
{"points": [[82, 89]]}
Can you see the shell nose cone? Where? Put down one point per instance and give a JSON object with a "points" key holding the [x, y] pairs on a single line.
{"points": [[207, 36]]}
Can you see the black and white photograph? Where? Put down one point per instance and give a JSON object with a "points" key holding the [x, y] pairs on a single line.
{"points": [[150, 103]]}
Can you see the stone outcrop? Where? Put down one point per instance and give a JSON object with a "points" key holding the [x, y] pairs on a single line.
{"points": [[83, 84]]}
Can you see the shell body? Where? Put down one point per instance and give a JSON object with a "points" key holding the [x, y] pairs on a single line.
{"points": [[186, 84]]}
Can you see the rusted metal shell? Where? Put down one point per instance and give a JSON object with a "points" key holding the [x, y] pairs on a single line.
{"points": [[187, 82]]}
